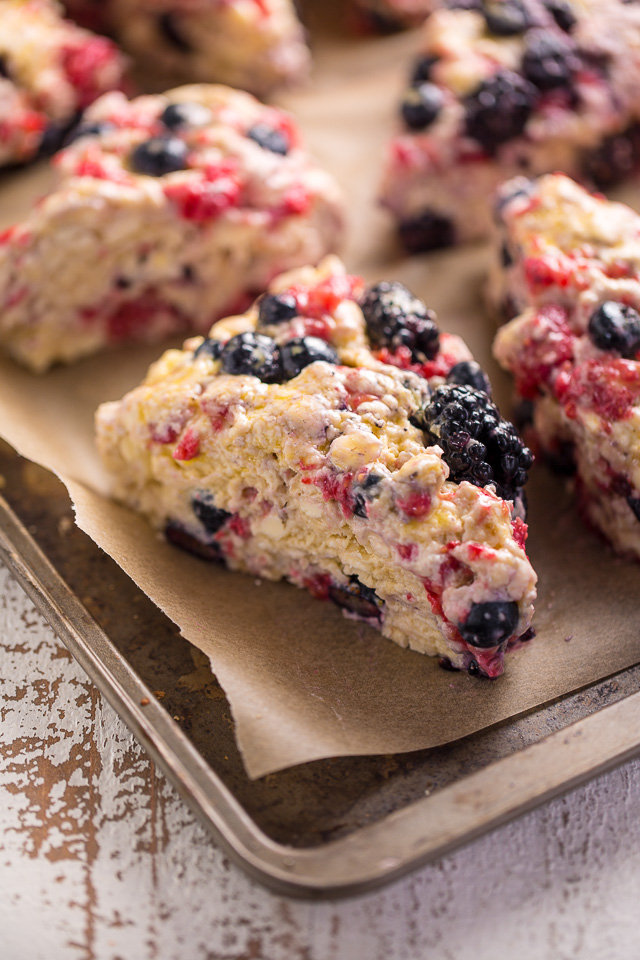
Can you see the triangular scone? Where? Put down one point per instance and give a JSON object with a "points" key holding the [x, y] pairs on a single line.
{"points": [[503, 87], [285, 446], [171, 211], [256, 45], [569, 264], [50, 70]]}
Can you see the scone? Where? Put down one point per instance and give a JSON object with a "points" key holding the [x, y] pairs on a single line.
{"points": [[569, 264], [50, 70], [257, 45], [507, 87], [171, 211], [333, 437]]}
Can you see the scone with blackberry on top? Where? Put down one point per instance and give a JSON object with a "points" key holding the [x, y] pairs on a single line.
{"points": [[332, 436], [170, 212], [505, 87], [568, 264], [50, 70]]}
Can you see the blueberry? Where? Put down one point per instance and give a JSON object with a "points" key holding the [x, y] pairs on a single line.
{"points": [[498, 111], [547, 60], [395, 318], [421, 105], [506, 18], [477, 444], [276, 308], [505, 256], [169, 28], [87, 130], [364, 491], [187, 114], [209, 348], [269, 139], [210, 516], [634, 505], [470, 373], [4, 69], [422, 70], [614, 326], [252, 354], [426, 231], [562, 13], [298, 353], [176, 534], [489, 624], [160, 155], [358, 599]]}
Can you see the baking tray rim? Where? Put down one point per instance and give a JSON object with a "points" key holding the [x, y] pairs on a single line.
{"points": [[372, 855]]}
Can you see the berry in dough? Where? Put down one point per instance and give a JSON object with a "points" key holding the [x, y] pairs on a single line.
{"points": [[568, 263], [503, 87], [50, 70], [170, 212], [332, 436], [257, 45]]}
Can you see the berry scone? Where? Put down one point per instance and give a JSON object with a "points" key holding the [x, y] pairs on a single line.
{"points": [[50, 70], [333, 437], [507, 87], [257, 45], [569, 264], [171, 211]]}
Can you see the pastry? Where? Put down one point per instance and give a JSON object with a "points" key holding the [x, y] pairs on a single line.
{"points": [[568, 263], [50, 70], [332, 436], [506, 87], [170, 211]]}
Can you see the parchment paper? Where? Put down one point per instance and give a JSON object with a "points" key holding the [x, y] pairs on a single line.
{"points": [[302, 681]]}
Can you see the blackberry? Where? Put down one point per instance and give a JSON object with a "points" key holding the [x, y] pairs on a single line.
{"points": [[547, 60], [396, 318], [276, 309], [209, 348], [269, 139], [4, 69], [185, 114], [471, 374], [169, 28], [252, 354], [618, 156], [614, 326], [489, 624], [478, 445], [499, 109], [298, 353], [422, 70], [160, 155], [426, 231], [421, 105], [364, 491], [562, 13], [358, 599], [506, 18], [210, 516]]}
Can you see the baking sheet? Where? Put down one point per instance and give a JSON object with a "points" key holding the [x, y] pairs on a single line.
{"points": [[304, 683]]}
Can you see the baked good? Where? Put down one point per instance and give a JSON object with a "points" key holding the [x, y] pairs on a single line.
{"points": [[190, 202], [568, 263], [511, 87], [257, 45], [333, 437], [50, 70]]}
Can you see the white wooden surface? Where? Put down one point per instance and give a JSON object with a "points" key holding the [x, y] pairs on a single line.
{"points": [[101, 860]]}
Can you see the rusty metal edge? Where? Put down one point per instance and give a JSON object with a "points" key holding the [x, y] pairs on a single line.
{"points": [[371, 856]]}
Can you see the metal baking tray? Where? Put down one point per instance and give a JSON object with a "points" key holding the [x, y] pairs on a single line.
{"points": [[327, 828]]}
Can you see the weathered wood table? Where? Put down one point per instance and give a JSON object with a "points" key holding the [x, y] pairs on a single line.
{"points": [[99, 858]]}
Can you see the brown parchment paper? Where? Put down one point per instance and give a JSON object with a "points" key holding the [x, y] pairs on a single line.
{"points": [[302, 681]]}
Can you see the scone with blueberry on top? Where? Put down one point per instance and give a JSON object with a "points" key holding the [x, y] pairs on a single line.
{"points": [[170, 212], [568, 263], [505, 87], [333, 437]]}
